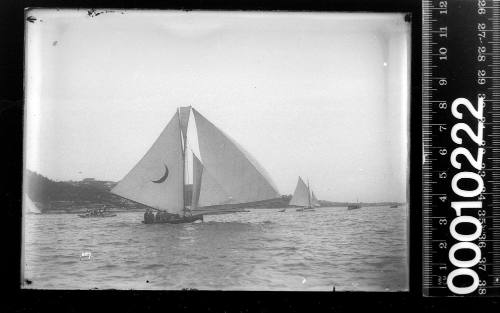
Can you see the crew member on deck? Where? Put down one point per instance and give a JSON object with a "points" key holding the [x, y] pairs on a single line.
{"points": [[151, 216]]}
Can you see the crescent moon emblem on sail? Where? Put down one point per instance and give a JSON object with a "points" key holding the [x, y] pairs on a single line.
{"points": [[162, 179]]}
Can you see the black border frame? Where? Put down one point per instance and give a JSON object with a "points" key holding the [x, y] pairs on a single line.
{"points": [[11, 133]]}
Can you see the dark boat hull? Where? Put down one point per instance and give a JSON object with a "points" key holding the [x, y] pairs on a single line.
{"points": [[95, 216], [353, 207], [181, 220], [305, 210]]}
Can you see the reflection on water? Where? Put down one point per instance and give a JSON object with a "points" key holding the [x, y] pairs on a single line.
{"points": [[363, 249]]}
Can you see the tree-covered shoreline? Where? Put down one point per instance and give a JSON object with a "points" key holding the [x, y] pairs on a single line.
{"points": [[71, 196]]}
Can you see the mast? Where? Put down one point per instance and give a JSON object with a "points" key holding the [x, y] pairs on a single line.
{"points": [[308, 193], [183, 166], [183, 125], [183, 139]]}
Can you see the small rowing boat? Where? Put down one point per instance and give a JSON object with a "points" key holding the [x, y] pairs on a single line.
{"points": [[97, 215], [354, 206]]}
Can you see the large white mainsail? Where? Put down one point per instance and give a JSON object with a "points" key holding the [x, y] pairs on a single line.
{"points": [[229, 169], [301, 196], [157, 180]]}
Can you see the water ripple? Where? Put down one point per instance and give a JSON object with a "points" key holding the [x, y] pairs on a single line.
{"points": [[263, 249]]}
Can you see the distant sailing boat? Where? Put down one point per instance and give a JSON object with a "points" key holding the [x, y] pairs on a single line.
{"points": [[226, 174], [354, 206], [314, 200], [302, 197], [30, 207]]}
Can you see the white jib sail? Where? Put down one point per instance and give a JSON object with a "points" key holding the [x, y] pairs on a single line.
{"points": [[157, 179], [235, 171], [211, 192], [301, 195], [206, 190]]}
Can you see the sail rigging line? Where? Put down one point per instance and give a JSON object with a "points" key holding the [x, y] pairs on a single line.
{"points": [[149, 207]]}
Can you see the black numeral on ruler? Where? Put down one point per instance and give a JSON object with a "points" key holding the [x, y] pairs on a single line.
{"points": [[461, 147]]}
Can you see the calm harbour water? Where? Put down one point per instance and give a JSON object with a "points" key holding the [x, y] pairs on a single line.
{"points": [[364, 249]]}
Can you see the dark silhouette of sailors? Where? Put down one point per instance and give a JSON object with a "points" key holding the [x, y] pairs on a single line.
{"points": [[165, 217], [159, 217], [149, 216]]}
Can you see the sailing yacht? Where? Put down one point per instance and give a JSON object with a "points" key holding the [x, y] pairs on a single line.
{"points": [[302, 197], [30, 207], [223, 174], [314, 200], [354, 206]]}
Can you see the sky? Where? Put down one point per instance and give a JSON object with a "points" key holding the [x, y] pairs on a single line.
{"points": [[323, 96]]}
